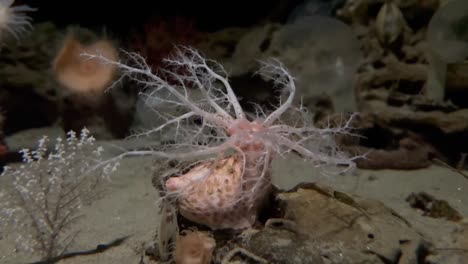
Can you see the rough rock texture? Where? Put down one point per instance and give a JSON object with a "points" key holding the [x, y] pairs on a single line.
{"points": [[325, 226], [318, 59], [453, 255], [396, 80], [317, 225]]}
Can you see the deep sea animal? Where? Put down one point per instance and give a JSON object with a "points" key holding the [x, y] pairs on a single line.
{"points": [[13, 19], [231, 151], [80, 76]]}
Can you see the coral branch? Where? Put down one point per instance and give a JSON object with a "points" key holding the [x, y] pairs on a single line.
{"points": [[47, 192], [275, 71]]}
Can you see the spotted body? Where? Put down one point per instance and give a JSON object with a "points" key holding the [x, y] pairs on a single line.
{"points": [[219, 194]]}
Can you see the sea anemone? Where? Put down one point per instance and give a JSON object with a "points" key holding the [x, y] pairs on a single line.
{"points": [[13, 18], [81, 76], [230, 151]]}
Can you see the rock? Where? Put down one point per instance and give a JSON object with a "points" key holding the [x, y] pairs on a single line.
{"points": [[221, 44], [251, 45], [286, 247], [325, 226], [447, 122], [314, 7], [457, 253], [318, 59]]}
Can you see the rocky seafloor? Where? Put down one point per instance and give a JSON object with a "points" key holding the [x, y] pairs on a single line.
{"points": [[363, 217]]}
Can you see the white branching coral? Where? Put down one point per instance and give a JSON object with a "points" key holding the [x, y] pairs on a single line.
{"points": [[42, 201], [13, 19], [232, 150]]}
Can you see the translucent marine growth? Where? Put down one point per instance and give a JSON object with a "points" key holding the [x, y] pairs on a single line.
{"points": [[232, 150], [41, 199], [13, 19]]}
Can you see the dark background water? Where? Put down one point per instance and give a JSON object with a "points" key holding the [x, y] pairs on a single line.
{"points": [[120, 15]]}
